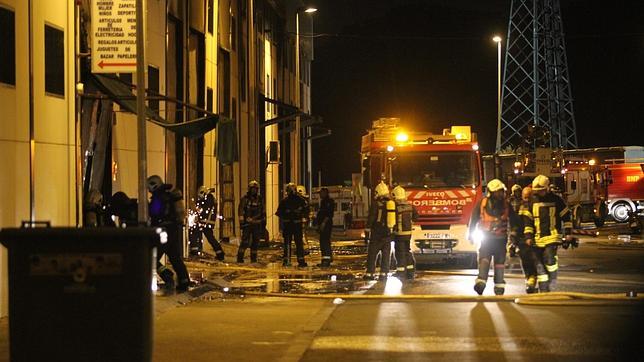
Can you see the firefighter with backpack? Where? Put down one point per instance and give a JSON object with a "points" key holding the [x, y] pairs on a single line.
{"points": [[382, 217], [167, 210], [405, 216]]}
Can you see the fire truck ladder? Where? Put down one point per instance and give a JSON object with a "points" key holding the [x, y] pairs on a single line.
{"points": [[536, 84]]}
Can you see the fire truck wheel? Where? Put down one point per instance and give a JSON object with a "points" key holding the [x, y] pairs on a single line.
{"points": [[620, 211]]}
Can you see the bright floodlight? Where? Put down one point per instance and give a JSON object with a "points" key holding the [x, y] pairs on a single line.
{"points": [[497, 39], [390, 148], [310, 10], [592, 162], [402, 137]]}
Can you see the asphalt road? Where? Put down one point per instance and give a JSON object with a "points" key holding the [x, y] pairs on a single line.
{"points": [[239, 326]]}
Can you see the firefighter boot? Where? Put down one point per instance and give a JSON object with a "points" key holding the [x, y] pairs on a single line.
{"points": [[479, 286], [411, 272], [253, 256], [544, 287], [220, 255], [240, 258], [531, 285], [167, 276], [301, 263], [325, 263], [499, 289]]}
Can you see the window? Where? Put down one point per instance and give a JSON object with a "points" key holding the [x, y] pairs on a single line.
{"points": [[54, 61], [8, 59], [210, 15], [153, 88], [435, 169]]}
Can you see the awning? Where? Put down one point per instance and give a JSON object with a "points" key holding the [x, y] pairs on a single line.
{"points": [[121, 93]]}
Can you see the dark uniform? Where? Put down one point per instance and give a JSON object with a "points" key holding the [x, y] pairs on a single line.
{"points": [[291, 211], [207, 215], [252, 215], [405, 216], [546, 219], [526, 252], [379, 238], [164, 213], [324, 220], [493, 218]]}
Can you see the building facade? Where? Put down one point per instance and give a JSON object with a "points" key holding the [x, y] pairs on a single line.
{"points": [[230, 59]]}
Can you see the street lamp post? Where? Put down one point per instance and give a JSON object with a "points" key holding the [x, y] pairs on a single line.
{"points": [[497, 39], [298, 95]]}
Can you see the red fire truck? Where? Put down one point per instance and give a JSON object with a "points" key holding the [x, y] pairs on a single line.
{"points": [[626, 191], [442, 176]]}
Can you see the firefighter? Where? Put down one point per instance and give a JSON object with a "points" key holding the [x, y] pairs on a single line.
{"points": [[379, 227], [324, 221], [123, 210], [516, 197], [252, 216], [292, 210], [546, 218], [166, 210], [207, 219], [491, 219], [405, 216], [526, 251]]}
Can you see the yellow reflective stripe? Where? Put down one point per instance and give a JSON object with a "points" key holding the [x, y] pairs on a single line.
{"points": [[526, 213], [410, 266], [542, 278], [528, 229], [403, 232], [567, 225], [531, 281], [541, 242], [564, 212], [552, 268], [400, 269]]}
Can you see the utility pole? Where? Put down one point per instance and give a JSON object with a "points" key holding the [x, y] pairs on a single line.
{"points": [[140, 114]]}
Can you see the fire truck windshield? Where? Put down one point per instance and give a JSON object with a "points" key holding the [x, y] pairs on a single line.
{"points": [[435, 169]]}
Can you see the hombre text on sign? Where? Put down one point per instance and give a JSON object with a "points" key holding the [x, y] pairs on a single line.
{"points": [[113, 36]]}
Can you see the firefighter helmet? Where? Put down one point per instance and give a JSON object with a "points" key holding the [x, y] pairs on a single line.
{"points": [[516, 187], [495, 185], [382, 190], [291, 188], [399, 193], [540, 182], [301, 190], [203, 191], [252, 184], [154, 182]]}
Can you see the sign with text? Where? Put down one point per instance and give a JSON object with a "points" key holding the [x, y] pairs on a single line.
{"points": [[113, 36]]}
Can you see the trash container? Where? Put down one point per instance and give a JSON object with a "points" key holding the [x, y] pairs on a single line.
{"points": [[80, 294]]}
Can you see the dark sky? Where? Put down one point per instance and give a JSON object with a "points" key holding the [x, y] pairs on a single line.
{"points": [[432, 63]]}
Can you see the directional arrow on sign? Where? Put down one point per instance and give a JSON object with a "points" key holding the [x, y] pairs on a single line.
{"points": [[103, 64]]}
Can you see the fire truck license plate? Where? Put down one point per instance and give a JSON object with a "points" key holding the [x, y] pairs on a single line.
{"points": [[436, 236]]}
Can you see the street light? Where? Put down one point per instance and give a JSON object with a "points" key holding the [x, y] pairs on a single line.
{"points": [[498, 40], [307, 10]]}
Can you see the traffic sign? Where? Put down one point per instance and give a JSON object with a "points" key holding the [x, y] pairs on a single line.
{"points": [[113, 36]]}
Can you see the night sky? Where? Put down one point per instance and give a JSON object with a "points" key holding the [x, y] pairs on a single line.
{"points": [[433, 63]]}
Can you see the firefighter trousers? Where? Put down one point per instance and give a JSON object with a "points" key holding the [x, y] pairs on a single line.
{"points": [[210, 236], [293, 232], [173, 248], [378, 245], [492, 250], [404, 258], [325, 244], [547, 266], [250, 238]]}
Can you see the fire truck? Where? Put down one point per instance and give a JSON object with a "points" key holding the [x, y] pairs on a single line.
{"points": [[442, 176]]}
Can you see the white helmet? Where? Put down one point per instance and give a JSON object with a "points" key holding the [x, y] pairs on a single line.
{"points": [[154, 182], [399, 193], [495, 185], [516, 187], [540, 182], [382, 190]]}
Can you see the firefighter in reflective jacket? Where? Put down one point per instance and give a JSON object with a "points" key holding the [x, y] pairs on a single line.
{"points": [[207, 215], [292, 210], [546, 218], [526, 252], [490, 225], [252, 216], [381, 220], [405, 216]]}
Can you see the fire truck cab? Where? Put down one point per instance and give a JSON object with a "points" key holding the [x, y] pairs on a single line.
{"points": [[442, 176]]}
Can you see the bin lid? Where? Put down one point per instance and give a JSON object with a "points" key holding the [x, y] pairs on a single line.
{"points": [[16, 236]]}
